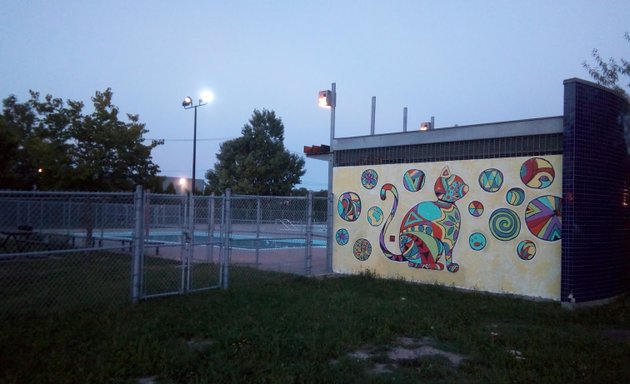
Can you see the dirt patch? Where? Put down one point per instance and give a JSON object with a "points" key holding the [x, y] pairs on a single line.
{"points": [[386, 359], [199, 343], [147, 380]]}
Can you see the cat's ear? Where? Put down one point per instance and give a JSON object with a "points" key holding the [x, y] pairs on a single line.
{"points": [[446, 172]]}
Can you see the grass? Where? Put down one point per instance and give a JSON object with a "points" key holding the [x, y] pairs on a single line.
{"points": [[88, 280], [278, 328]]}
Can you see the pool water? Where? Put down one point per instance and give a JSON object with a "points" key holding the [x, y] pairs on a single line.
{"points": [[238, 241]]}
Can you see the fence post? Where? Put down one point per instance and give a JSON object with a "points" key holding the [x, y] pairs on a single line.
{"points": [[308, 260], [190, 256], [258, 219], [225, 260], [210, 247], [138, 246]]}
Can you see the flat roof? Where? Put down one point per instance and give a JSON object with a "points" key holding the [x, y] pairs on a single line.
{"points": [[528, 127]]}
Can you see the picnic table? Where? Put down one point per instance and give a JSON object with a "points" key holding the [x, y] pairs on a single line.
{"points": [[21, 237]]}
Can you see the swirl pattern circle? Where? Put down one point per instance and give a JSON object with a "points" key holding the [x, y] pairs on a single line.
{"points": [[504, 224]]}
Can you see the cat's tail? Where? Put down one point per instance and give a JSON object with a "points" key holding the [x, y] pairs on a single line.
{"points": [[391, 188]]}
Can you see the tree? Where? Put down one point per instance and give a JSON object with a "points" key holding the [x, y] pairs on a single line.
{"points": [[170, 189], [257, 163], [607, 73], [48, 144]]}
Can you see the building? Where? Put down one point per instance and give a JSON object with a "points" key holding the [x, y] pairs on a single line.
{"points": [[536, 207]]}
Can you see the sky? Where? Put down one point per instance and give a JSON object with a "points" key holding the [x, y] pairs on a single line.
{"points": [[462, 61]]}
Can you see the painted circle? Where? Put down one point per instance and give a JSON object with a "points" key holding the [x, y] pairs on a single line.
{"points": [[475, 208], [526, 250], [537, 173], [477, 241], [375, 216], [491, 180], [413, 180], [515, 196], [362, 249], [543, 217], [342, 236], [504, 224], [369, 178], [349, 206]]}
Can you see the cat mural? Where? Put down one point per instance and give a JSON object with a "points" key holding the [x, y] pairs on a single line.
{"points": [[429, 230]]}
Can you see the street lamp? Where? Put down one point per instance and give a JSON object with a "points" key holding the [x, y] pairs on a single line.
{"points": [[328, 99], [204, 99]]}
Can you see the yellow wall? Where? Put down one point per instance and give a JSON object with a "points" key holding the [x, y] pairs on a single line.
{"points": [[495, 268]]}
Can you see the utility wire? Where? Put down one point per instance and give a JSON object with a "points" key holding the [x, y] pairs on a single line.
{"points": [[211, 139]]}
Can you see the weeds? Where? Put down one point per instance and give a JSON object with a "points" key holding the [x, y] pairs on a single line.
{"points": [[282, 328]]}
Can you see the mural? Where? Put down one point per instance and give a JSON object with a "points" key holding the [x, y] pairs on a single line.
{"points": [[515, 196], [362, 249], [543, 218], [537, 173], [475, 208], [349, 206], [430, 229], [491, 180], [342, 236], [413, 180], [369, 178], [375, 216], [526, 249], [517, 241], [477, 241], [504, 224]]}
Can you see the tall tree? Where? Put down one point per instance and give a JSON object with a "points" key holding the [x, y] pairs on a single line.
{"points": [[49, 144], [608, 73], [257, 163], [108, 153]]}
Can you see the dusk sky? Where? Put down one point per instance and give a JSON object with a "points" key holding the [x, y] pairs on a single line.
{"points": [[464, 62]]}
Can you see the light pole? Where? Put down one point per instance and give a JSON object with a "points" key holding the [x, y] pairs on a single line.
{"points": [[204, 99], [328, 100]]}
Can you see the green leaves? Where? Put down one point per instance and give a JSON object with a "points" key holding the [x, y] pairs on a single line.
{"points": [[608, 73], [48, 144], [257, 163]]}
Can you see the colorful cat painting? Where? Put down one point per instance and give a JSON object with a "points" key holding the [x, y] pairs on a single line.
{"points": [[430, 229]]}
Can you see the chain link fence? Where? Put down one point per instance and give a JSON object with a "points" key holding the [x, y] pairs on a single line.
{"points": [[78, 250], [279, 234], [60, 250]]}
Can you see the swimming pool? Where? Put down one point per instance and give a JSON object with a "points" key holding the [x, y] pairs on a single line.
{"points": [[237, 241]]}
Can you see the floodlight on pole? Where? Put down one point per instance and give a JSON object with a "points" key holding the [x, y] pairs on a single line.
{"points": [[204, 98]]}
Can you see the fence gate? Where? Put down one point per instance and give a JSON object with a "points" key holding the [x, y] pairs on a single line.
{"points": [[181, 251]]}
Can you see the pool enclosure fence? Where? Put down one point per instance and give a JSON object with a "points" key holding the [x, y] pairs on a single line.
{"points": [[75, 249]]}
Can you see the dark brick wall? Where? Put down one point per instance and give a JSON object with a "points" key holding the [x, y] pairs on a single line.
{"points": [[595, 226], [535, 145]]}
